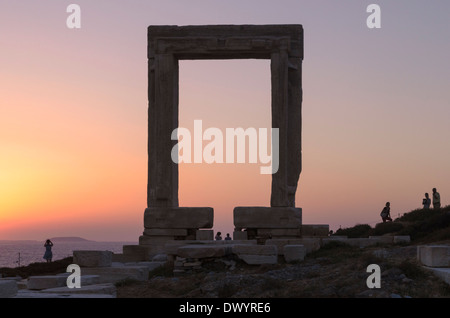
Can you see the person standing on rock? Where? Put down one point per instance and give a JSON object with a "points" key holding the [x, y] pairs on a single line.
{"points": [[386, 213], [436, 199], [426, 201], [48, 251]]}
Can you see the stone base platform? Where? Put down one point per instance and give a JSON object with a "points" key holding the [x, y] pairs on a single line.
{"points": [[267, 222], [176, 223], [434, 255], [435, 258]]}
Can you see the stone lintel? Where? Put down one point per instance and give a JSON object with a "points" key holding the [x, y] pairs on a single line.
{"points": [[220, 34], [178, 218], [267, 217], [218, 48]]}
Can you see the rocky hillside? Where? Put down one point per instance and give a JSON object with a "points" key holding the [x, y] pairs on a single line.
{"points": [[422, 225], [336, 270]]}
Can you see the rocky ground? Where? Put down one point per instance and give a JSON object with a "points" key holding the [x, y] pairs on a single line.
{"points": [[337, 271]]}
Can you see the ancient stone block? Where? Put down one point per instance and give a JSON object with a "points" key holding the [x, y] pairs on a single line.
{"points": [[402, 239], [267, 217], [204, 235], [294, 253], [310, 244], [203, 251], [240, 235], [44, 282], [92, 258], [258, 259], [225, 41], [434, 255], [166, 232], [279, 232], [179, 218], [8, 288], [256, 254], [239, 249], [133, 253], [114, 274], [146, 240]]}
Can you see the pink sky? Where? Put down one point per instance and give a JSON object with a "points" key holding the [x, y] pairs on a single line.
{"points": [[73, 113]]}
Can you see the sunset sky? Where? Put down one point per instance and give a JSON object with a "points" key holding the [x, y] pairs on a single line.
{"points": [[73, 112]]}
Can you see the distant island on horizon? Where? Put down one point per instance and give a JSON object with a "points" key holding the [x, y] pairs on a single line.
{"points": [[63, 239], [54, 239], [69, 239]]}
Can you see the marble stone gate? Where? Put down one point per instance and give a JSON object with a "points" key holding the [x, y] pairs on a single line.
{"points": [[164, 219]]}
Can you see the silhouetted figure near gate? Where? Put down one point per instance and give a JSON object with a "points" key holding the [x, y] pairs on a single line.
{"points": [[426, 202], [436, 199], [386, 213], [48, 251]]}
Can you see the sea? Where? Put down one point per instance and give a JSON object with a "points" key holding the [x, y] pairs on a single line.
{"points": [[22, 253]]}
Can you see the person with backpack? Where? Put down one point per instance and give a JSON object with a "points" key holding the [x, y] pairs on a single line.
{"points": [[386, 213]]}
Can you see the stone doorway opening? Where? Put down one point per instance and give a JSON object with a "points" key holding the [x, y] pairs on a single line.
{"points": [[215, 91]]}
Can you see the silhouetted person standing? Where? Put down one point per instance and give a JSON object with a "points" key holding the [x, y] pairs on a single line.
{"points": [[228, 237], [426, 202], [386, 213], [218, 236], [48, 251], [436, 199]]}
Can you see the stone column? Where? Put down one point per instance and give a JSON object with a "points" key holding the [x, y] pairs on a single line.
{"points": [[164, 220], [294, 134], [163, 119], [279, 70]]}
